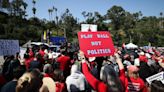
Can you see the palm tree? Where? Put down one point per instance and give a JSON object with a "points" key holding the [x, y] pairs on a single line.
{"points": [[55, 9], [84, 14], [34, 2], [50, 13], [49, 10], [140, 13], [24, 9], [161, 15], [34, 9]]}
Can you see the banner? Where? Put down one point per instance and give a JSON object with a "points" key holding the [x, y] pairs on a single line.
{"points": [[57, 40], [96, 44], [9, 47], [158, 76]]}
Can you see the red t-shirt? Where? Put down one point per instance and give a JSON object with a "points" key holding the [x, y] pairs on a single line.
{"points": [[60, 87], [31, 54], [131, 84], [64, 62], [143, 58], [41, 52], [48, 75], [27, 62]]}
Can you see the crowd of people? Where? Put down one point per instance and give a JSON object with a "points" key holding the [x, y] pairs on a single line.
{"points": [[42, 71]]}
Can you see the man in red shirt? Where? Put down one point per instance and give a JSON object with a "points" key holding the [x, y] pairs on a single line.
{"points": [[41, 51], [64, 64]]}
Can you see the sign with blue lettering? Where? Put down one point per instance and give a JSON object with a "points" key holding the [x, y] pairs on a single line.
{"points": [[9, 47]]}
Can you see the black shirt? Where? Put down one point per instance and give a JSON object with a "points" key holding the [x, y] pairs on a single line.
{"points": [[9, 87]]}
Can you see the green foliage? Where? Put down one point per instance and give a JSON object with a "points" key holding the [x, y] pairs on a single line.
{"points": [[123, 25], [116, 14]]}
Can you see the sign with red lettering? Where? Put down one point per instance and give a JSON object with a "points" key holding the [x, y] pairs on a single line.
{"points": [[96, 44]]}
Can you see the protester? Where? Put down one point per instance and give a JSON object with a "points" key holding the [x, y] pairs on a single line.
{"points": [[76, 82], [69, 72], [144, 70], [30, 82], [59, 81], [28, 58], [109, 76], [156, 86], [131, 82], [35, 63], [48, 84], [95, 83], [64, 63], [10, 86], [48, 70], [6, 70]]}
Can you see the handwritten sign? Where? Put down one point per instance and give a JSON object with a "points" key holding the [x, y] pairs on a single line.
{"points": [[9, 47], [158, 76], [96, 44]]}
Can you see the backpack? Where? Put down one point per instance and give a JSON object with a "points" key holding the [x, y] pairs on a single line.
{"points": [[110, 77]]}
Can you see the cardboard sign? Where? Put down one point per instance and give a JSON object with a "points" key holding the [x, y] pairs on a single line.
{"points": [[86, 27], [96, 44], [158, 76], [9, 47]]}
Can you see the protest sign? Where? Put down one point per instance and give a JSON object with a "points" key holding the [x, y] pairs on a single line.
{"points": [[87, 27], [158, 76], [95, 44], [9, 47]]}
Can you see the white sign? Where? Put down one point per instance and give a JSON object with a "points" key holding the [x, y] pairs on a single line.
{"points": [[158, 76], [9, 47], [87, 27]]}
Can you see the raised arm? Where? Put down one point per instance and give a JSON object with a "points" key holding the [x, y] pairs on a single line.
{"points": [[119, 62], [121, 68], [97, 85]]}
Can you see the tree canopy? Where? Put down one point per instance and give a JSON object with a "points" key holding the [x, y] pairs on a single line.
{"points": [[123, 25]]}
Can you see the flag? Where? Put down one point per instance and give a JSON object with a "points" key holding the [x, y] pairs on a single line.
{"points": [[44, 35]]}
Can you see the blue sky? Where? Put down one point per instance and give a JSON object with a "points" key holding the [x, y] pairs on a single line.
{"points": [[76, 7]]}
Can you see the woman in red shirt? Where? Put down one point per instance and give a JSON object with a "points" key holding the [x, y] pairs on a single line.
{"points": [[132, 82]]}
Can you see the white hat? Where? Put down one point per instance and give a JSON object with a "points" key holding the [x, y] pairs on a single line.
{"points": [[55, 54], [46, 51], [142, 53], [151, 52], [91, 59], [50, 56], [137, 62], [148, 55]]}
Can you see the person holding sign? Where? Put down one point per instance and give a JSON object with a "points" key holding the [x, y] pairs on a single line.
{"points": [[96, 84]]}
